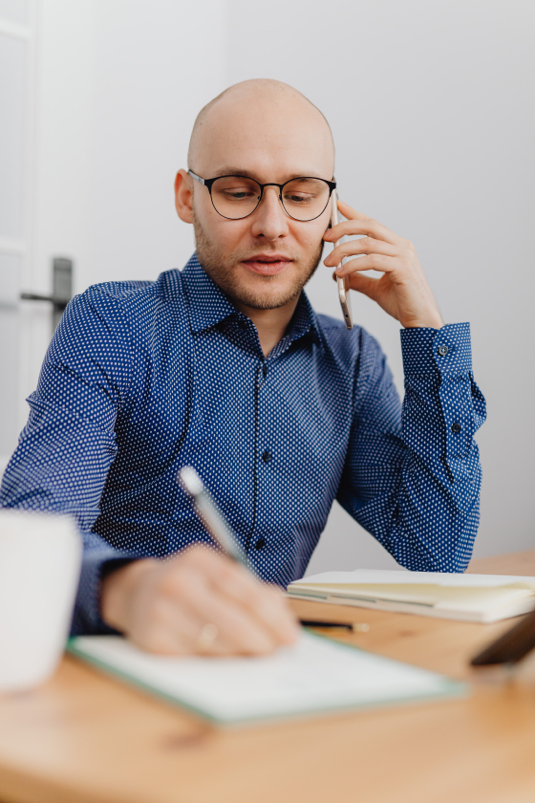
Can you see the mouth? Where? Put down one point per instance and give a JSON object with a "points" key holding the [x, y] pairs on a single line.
{"points": [[267, 264]]}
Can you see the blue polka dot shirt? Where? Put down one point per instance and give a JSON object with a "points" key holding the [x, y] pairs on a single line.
{"points": [[142, 378]]}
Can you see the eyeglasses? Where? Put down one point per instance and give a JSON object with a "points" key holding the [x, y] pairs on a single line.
{"points": [[236, 197]]}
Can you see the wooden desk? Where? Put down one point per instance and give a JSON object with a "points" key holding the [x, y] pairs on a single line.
{"points": [[85, 738]]}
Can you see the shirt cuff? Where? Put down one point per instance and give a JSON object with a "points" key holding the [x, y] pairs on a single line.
{"points": [[446, 350], [96, 564]]}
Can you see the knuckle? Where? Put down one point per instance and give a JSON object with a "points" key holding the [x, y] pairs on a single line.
{"points": [[376, 260], [232, 573], [198, 557], [187, 557], [275, 594], [178, 582], [255, 594], [270, 602], [196, 553], [170, 581], [158, 614]]}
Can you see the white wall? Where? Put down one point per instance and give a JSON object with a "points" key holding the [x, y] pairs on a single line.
{"points": [[157, 64], [431, 105]]}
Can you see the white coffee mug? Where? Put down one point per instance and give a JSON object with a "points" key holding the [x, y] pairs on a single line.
{"points": [[40, 555]]}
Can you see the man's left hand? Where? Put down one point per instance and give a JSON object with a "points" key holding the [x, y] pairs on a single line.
{"points": [[402, 290]]}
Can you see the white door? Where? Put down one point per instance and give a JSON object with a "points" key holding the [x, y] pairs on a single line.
{"points": [[17, 100]]}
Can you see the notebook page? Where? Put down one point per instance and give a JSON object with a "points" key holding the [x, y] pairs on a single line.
{"points": [[440, 596], [314, 675], [384, 576]]}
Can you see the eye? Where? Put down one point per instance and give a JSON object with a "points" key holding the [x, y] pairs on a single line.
{"points": [[305, 192], [233, 189], [237, 194], [298, 198]]}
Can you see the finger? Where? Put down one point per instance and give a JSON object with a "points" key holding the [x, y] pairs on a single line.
{"points": [[178, 630], [369, 226], [366, 285], [264, 602], [238, 630], [178, 615], [366, 245], [350, 213], [192, 634], [168, 629], [379, 262]]}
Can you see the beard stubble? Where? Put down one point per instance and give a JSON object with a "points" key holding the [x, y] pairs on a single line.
{"points": [[222, 271]]}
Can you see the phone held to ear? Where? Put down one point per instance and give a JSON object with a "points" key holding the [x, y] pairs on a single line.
{"points": [[343, 290]]}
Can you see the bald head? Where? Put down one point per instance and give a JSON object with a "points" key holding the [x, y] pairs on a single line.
{"points": [[269, 132], [260, 110]]}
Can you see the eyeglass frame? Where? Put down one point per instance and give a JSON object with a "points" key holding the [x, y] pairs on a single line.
{"points": [[208, 182]]}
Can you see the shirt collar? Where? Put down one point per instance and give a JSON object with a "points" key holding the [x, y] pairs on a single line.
{"points": [[208, 305]]}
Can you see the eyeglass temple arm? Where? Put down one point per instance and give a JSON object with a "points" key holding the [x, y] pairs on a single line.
{"points": [[196, 177]]}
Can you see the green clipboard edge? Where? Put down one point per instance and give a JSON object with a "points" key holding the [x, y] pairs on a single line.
{"points": [[451, 688]]}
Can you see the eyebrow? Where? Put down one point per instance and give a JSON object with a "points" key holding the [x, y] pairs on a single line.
{"points": [[235, 171]]}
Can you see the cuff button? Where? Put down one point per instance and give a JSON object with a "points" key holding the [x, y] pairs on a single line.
{"points": [[443, 350], [456, 428]]}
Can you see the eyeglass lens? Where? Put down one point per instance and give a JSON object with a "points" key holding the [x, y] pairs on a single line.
{"points": [[236, 197]]}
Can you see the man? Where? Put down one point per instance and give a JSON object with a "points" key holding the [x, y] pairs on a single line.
{"points": [[225, 366]]}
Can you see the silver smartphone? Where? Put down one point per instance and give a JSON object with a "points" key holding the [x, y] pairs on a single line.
{"points": [[343, 289]]}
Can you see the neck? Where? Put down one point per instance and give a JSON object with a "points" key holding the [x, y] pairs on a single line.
{"points": [[271, 324]]}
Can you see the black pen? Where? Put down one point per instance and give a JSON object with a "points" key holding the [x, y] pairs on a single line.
{"points": [[353, 626]]}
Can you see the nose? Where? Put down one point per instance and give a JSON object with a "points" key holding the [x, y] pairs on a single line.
{"points": [[269, 220]]}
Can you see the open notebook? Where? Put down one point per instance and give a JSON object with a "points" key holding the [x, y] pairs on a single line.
{"points": [[470, 597], [315, 675]]}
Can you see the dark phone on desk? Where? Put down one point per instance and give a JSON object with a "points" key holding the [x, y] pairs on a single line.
{"points": [[511, 646]]}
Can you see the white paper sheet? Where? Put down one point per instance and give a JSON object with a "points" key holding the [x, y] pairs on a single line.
{"points": [[314, 675]]}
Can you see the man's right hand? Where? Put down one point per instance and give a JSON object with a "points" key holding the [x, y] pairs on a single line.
{"points": [[197, 602]]}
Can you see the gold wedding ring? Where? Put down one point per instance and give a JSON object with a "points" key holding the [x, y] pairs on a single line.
{"points": [[207, 636]]}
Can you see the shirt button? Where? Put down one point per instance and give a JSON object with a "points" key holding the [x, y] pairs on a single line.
{"points": [[266, 457], [260, 544], [443, 350], [456, 428]]}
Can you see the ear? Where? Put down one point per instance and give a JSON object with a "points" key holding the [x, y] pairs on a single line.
{"points": [[184, 196]]}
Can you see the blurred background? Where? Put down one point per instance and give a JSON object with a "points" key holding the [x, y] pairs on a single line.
{"points": [[431, 105]]}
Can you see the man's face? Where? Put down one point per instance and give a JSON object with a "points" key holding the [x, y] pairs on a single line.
{"points": [[264, 260]]}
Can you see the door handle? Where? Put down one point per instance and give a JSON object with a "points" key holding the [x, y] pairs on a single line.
{"points": [[61, 289], [59, 303]]}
